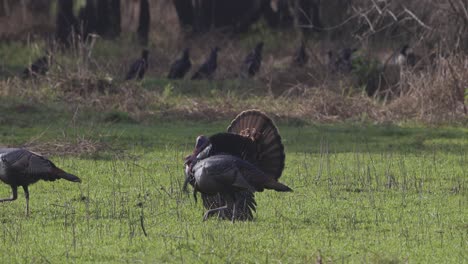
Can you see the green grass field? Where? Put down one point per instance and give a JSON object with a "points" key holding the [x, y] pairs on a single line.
{"points": [[362, 193]]}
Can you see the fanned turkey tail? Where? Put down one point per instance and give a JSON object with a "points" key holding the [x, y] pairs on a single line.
{"points": [[257, 126]]}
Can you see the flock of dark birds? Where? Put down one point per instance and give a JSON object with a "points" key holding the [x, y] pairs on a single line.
{"points": [[227, 168], [181, 66], [338, 61]]}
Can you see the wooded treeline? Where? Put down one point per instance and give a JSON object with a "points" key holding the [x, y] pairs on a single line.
{"points": [[444, 21]]}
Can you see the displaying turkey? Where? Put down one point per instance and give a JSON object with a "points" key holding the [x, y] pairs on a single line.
{"points": [[180, 67], [228, 168], [253, 61], [20, 167], [138, 68], [207, 69], [38, 67], [300, 57]]}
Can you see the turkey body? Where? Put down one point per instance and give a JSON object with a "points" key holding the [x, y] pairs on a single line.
{"points": [[39, 67], [180, 67], [20, 167], [342, 61], [208, 68], [222, 173], [227, 174], [300, 57], [253, 61], [406, 57], [228, 168], [138, 68]]}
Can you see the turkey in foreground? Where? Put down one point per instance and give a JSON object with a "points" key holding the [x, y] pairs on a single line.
{"points": [[207, 69], [227, 168], [138, 68], [20, 167], [180, 67]]}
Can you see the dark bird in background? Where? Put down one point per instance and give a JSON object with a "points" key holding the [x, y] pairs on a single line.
{"points": [[331, 60], [139, 67], [342, 61], [38, 67], [406, 56], [253, 61], [228, 168], [207, 69], [300, 57], [20, 167], [180, 67]]}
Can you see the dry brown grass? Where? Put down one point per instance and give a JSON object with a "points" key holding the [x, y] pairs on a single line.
{"points": [[434, 94], [72, 147], [431, 95]]}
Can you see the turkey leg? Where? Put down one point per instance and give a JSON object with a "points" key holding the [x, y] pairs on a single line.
{"points": [[26, 194], [207, 213], [14, 190]]}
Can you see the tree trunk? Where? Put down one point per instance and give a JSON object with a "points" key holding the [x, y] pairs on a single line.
{"points": [[308, 15], [144, 22], [185, 11], [102, 22], [5, 8], [114, 18], [281, 15], [108, 18], [230, 15], [66, 22], [87, 19]]}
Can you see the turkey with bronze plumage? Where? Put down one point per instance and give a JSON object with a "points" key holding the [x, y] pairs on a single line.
{"points": [[228, 168], [21, 167]]}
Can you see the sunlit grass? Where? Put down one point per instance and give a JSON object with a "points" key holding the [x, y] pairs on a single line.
{"points": [[362, 193]]}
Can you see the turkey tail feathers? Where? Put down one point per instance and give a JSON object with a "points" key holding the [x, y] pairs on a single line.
{"points": [[244, 208], [277, 186], [67, 176], [257, 126], [70, 177]]}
